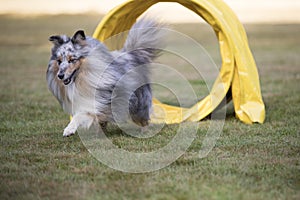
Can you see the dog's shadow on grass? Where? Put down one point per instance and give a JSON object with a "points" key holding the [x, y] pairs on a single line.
{"points": [[113, 130]]}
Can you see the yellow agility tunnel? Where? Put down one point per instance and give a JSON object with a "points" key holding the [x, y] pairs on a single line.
{"points": [[238, 73]]}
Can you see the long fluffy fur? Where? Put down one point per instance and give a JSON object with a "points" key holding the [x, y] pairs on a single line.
{"points": [[105, 85]]}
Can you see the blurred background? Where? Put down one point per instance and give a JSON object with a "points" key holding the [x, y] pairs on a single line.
{"points": [[254, 11]]}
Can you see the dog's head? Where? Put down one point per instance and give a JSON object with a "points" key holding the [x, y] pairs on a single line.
{"points": [[68, 54]]}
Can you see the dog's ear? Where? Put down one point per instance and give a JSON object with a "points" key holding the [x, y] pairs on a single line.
{"points": [[79, 38], [56, 40]]}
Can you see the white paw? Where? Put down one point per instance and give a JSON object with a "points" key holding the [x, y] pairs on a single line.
{"points": [[69, 131]]}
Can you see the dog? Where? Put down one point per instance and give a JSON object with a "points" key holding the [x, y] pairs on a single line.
{"points": [[94, 84]]}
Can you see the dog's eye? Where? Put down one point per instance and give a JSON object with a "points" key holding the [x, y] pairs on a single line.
{"points": [[73, 60], [59, 62]]}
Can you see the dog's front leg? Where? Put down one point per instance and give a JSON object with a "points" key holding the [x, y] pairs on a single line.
{"points": [[83, 120]]}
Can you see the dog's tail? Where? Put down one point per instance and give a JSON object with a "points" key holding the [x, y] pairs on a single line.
{"points": [[145, 39], [144, 42]]}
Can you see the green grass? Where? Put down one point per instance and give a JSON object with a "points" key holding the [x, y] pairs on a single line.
{"points": [[248, 161]]}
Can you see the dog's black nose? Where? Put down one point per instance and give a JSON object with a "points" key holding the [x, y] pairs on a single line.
{"points": [[60, 76]]}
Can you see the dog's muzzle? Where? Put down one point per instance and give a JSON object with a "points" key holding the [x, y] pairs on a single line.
{"points": [[69, 79]]}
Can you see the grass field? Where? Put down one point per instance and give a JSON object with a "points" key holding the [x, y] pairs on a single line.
{"points": [[248, 161]]}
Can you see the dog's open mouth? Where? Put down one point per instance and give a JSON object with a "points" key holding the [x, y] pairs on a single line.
{"points": [[68, 80]]}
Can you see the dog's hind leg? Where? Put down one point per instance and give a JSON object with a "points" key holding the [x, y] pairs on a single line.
{"points": [[82, 120]]}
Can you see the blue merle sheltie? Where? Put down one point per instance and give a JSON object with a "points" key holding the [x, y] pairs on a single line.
{"points": [[94, 84]]}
